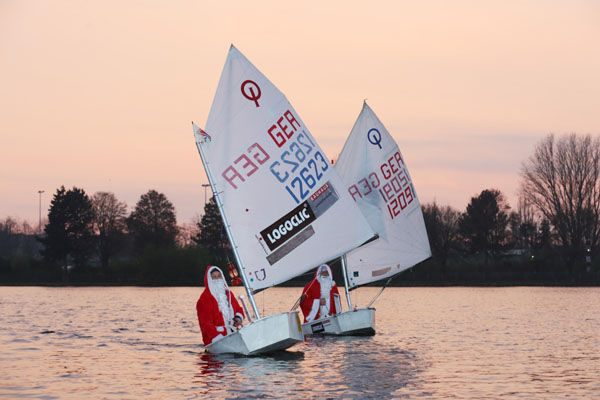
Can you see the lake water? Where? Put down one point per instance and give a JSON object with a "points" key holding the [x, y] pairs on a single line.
{"points": [[463, 343]]}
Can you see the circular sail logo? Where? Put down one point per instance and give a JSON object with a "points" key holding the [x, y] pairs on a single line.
{"points": [[374, 137], [251, 91]]}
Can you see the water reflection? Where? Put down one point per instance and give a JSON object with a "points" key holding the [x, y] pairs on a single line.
{"points": [[374, 371], [212, 363], [360, 367], [324, 367], [468, 343], [232, 376], [209, 364]]}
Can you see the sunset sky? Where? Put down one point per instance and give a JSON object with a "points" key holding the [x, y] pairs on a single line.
{"points": [[100, 94]]}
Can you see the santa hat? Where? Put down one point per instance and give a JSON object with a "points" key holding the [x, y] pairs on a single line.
{"points": [[210, 282], [322, 278]]}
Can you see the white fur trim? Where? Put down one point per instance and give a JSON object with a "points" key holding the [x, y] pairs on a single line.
{"points": [[313, 311], [338, 303], [220, 329]]}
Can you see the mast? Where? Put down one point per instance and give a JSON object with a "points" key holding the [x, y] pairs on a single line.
{"points": [[346, 285], [227, 226]]}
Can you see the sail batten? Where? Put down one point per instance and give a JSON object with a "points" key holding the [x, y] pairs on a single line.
{"points": [[287, 208], [375, 173]]}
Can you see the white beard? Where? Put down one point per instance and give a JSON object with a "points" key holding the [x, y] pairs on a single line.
{"points": [[325, 288], [220, 294], [326, 285]]}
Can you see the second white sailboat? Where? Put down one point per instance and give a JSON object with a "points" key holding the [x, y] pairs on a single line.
{"points": [[376, 176]]}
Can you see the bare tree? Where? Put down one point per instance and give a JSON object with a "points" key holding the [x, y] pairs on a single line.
{"points": [[15, 225], [10, 225], [109, 224], [18, 237], [562, 181], [8, 230], [187, 231], [27, 229], [523, 225]]}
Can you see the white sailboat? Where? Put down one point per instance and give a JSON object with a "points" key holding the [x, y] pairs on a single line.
{"points": [[376, 176], [284, 207]]}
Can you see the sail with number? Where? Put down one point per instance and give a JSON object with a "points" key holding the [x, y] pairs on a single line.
{"points": [[285, 204], [375, 173]]}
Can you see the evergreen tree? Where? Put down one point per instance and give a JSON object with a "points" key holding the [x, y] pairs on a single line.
{"points": [[70, 230], [544, 238], [212, 235], [484, 223], [153, 221]]}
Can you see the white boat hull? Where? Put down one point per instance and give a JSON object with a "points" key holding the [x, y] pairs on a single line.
{"points": [[349, 323], [272, 333]]}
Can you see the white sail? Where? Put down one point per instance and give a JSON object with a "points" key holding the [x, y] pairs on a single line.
{"points": [[375, 173], [287, 208]]}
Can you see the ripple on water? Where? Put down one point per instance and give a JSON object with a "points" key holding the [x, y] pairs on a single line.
{"points": [[466, 343]]}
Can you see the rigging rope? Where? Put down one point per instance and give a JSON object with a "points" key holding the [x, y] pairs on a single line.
{"points": [[378, 294]]}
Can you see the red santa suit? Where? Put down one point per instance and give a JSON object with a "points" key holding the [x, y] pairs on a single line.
{"points": [[318, 288], [216, 308]]}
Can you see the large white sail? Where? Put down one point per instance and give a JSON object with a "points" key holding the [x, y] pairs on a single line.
{"points": [[375, 173], [287, 208]]}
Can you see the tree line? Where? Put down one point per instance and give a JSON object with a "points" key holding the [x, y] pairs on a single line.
{"points": [[550, 237], [93, 239]]}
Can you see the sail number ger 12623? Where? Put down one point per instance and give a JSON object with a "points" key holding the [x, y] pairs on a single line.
{"points": [[300, 167]]}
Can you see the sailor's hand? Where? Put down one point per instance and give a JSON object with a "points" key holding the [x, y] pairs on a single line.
{"points": [[237, 321], [322, 302]]}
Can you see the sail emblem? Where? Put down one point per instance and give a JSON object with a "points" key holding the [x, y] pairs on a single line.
{"points": [[375, 138], [260, 275], [250, 94]]}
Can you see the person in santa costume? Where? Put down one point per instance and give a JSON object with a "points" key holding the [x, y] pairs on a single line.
{"points": [[320, 298], [219, 313]]}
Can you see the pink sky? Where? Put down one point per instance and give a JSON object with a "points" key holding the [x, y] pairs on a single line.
{"points": [[100, 94]]}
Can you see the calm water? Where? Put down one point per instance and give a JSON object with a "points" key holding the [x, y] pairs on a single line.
{"points": [[465, 343]]}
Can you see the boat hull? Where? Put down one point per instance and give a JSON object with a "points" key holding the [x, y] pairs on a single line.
{"points": [[359, 322], [269, 334]]}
